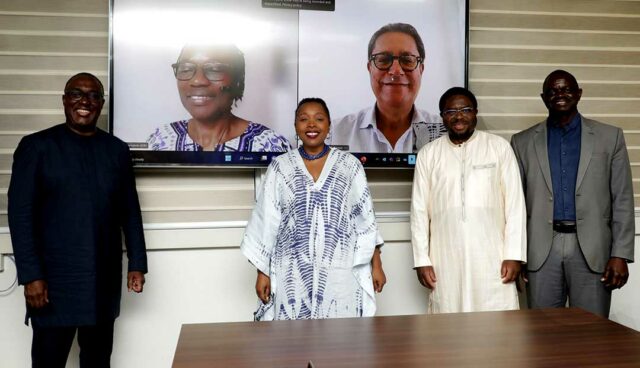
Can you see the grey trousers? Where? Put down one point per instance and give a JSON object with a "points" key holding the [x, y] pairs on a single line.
{"points": [[565, 274]]}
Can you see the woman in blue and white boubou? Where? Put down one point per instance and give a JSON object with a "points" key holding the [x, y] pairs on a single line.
{"points": [[313, 235]]}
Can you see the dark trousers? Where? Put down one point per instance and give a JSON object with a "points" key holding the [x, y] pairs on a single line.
{"points": [[50, 346]]}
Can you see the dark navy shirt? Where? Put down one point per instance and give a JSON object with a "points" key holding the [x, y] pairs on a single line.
{"points": [[564, 157], [71, 198]]}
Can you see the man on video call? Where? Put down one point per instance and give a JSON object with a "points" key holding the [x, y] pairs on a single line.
{"points": [[393, 124]]}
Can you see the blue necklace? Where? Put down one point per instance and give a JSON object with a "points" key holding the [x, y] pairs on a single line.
{"points": [[309, 157]]}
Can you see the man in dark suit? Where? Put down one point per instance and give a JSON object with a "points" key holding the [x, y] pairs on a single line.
{"points": [[580, 210], [71, 194]]}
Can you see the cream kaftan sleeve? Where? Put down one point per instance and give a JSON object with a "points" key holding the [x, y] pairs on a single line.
{"points": [[515, 233], [420, 221]]}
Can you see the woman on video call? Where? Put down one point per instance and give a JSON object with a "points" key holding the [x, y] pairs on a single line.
{"points": [[210, 81], [313, 235]]}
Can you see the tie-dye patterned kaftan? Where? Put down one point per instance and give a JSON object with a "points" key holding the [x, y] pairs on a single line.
{"points": [[315, 240]]}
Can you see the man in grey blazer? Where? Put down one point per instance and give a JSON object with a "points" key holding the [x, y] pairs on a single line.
{"points": [[580, 211]]}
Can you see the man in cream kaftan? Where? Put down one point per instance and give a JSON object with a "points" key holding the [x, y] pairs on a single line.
{"points": [[468, 215], [314, 240]]}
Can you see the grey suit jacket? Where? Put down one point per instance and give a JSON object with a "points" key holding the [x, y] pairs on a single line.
{"points": [[604, 194]]}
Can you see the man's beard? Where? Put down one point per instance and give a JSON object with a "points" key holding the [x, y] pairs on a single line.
{"points": [[462, 137]]}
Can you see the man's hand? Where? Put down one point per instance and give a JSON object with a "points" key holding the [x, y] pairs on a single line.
{"points": [[377, 273], [427, 276], [616, 273], [510, 271], [135, 281], [36, 294], [522, 282], [263, 287]]}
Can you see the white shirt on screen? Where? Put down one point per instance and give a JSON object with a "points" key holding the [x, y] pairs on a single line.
{"points": [[359, 131]]}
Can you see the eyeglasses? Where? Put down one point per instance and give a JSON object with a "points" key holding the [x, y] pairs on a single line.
{"points": [[563, 90], [384, 61], [213, 71], [452, 112], [76, 95]]}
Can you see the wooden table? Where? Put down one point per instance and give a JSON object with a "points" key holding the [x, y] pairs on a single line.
{"points": [[528, 338]]}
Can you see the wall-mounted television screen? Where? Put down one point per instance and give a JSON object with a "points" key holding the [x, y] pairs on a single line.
{"points": [[216, 83]]}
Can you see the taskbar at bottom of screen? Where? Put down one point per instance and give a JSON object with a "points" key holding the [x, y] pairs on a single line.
{"points": [[255, 159]]}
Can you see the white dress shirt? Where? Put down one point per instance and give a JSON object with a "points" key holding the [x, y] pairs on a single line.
{"points": [[360, 133]]}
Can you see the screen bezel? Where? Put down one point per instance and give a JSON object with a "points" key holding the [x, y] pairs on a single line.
{"points": [[173, 159]]}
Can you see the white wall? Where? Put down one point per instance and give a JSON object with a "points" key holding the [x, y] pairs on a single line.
{"points": [[216, 285]]}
